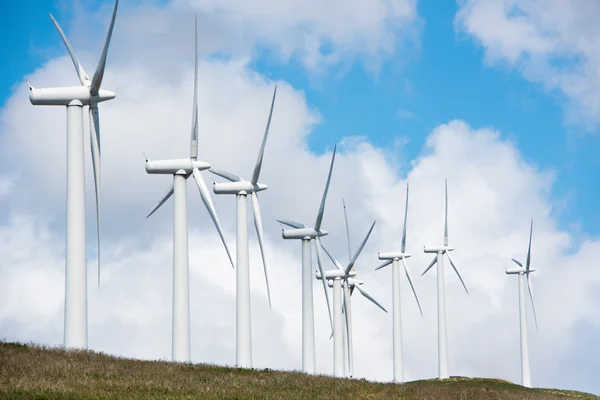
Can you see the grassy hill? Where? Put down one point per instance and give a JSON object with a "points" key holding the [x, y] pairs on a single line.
{"points": [[35, 372]]}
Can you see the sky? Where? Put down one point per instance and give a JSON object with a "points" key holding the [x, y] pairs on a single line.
{"points": [[500, 97]]}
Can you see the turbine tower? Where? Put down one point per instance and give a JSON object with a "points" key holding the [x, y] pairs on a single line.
{"points": [[241, 188], [75, 98], [306, 234], [523, 273], [344, 278], [347, 306], [441, 292], [182, 169], [395, 259]]}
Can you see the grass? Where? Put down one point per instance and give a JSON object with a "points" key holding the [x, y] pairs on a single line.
{"points": [[37, 372]]}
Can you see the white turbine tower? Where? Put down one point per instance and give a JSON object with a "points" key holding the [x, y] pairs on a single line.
{"points": [[523, 273], [352, 282], [395, 258], [344, 278], [241, 188], [75, 98], [181, 169], [441, 292], [306, 234]]}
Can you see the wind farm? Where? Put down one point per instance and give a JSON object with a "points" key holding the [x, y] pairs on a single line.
{"points": [[223, 309]]}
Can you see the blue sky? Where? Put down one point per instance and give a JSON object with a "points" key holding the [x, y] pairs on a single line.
{"points": [[441, 79], [447, 79]]}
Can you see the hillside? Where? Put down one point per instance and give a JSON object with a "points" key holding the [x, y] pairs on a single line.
{"points": [[34, 372]]}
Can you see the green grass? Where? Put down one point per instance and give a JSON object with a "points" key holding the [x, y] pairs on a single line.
{"points": [[37, 372]]}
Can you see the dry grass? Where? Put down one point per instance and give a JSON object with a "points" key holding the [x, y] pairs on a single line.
{"points": [[35, 372]]}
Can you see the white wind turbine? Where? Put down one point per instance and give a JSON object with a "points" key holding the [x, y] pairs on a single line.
{"points": [[181, 169], [441, 292], [75, 98], [347, 335], [394, 259], [523, 273], [344, 277], [306, 234], [241, 188]]}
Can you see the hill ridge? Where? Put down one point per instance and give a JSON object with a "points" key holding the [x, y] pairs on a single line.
{"points": [[32, 371]]}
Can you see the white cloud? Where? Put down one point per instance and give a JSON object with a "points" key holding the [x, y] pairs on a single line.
{"points": [[553, 42], [493, 192]]}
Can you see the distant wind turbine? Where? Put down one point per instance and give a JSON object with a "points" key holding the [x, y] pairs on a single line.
{"points": [[182, 169], [306, 234], [523, 273], [394, 259], [343, 277], [241, 188], [441, 292], [75, 98]]}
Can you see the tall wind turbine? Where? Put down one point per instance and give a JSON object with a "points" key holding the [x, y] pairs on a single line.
{"points": [[182, 169], [344, 278], [241, 188], [394, 259], [75, 98], [306, 234], [523, 273], [441, 292]]}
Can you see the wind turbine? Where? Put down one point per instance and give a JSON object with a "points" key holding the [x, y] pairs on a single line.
{"points": [[344, 277], [241, 188], [523, 273], [394, 259], [306, 234], [182, 169], [441, 292], [75, 98]]}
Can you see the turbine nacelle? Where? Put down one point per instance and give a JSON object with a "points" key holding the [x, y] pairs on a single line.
{"points": [[237, 187], [393, 255], [438, 249], [302, 233], [335, 273], [518, 270], [172, 167], [355, 282], [63, 96]]}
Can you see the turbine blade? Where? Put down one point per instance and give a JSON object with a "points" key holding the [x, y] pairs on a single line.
{"points": [[83, 76], [385, 264], [411, 284], [194, 139], [230, 177], [430, 265], [324, 199], [362, 245], [347, 231], [405, 216], [532, 304], [205, 196], [517, 262], [259, 161], [259, 233], [364, 292], [99, 74], [291, 224], [166, 196], [323, 280], [528, 262], [456, 270], [333, 260], [95, 148], [446, 215]]}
